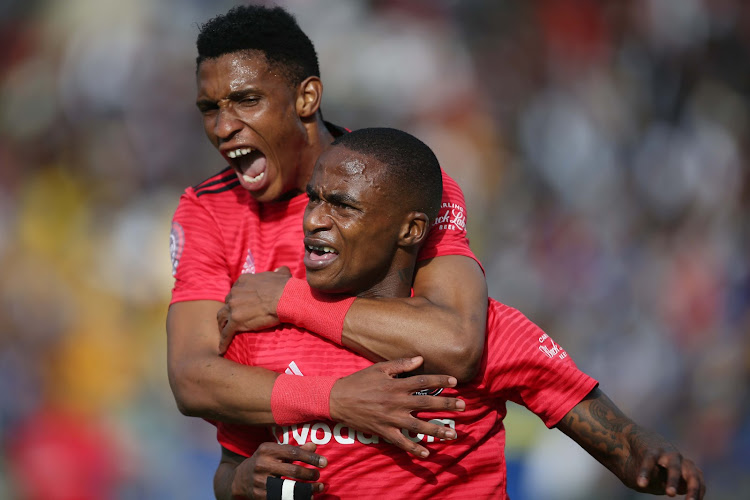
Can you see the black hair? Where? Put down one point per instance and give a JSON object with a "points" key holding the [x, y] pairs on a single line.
{"points": [[272, 31], [413, 171]]}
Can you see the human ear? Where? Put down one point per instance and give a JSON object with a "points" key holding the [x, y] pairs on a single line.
{"points": [[414, 230], [309, 96]]}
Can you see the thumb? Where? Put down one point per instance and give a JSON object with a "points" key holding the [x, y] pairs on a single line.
{"points": [[283, 270], [402, 365], [225, 338]]}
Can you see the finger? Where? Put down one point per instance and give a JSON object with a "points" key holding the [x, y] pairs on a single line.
{"points": [[283, 270], [647, 466], [434, 403], [309, 446], [293, 471], [301, 454], [420, 427], [418, 383], [694, 479], [673, 464], [287, 489], [222, 316], [226, 336], [397, 439], [401, 365]]}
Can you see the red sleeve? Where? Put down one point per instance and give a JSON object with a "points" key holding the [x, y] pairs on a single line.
{"points": [[448, 233], [526, 366], [198, 263]]}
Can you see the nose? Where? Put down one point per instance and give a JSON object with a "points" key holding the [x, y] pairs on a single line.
{"points": [[317, 218], [227, 124]]}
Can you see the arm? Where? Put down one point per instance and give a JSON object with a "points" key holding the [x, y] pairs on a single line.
{"points": [[240, 477], [641, 459], [444, 322], [205, 384], [372, 400]]}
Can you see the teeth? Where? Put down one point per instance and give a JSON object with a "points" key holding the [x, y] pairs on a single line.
{"points": [[254, 179], [322, 249], [236, 153]]}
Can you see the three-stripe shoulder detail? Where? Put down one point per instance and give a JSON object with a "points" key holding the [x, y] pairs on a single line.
{"points": [[223, 181]]}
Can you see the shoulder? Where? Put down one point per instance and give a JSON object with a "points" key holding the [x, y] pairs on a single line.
{"points": [[220, 182], [222, 191], [504, 320]]}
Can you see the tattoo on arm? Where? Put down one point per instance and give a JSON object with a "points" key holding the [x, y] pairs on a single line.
{"points": [[600, 428]]}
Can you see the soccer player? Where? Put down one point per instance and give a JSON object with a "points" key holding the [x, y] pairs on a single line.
{"points": [[259, 93], [372, 199]]}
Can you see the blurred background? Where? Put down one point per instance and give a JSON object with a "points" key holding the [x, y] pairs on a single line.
{"points": [[602, 147]]}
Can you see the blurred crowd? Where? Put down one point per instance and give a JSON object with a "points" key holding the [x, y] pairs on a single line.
{"points": [[603, 148]]}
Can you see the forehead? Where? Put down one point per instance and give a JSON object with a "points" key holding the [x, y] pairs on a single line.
{"points": [[345, 171], [338, 162], [236, 71]]}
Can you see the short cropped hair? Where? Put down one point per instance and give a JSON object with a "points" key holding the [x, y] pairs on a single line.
{"points": [[413, 172], [272, 31]]}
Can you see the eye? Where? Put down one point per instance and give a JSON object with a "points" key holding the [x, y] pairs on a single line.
{"points": [[207, 109], [248, 101]]}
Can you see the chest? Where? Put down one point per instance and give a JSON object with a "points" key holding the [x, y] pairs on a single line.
{"points": [[266, 240]]}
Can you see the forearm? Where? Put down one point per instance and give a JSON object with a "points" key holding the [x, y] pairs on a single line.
{"points": [[444, 322], [599, 427], [215, 388], [381, 329], [205, 384]]}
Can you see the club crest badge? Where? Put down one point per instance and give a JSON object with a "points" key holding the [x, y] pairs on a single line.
{"points": [[176, 245]]}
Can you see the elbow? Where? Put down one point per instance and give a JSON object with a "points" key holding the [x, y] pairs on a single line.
{"points": [[184, 391], [465, 360], [466, 349]]}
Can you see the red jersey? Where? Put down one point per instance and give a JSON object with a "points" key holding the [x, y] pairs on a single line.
{"points": [[521, 363], [219, 231]]}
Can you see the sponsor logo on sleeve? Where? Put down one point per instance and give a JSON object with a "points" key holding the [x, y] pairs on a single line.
{"points": [[452, 217], [548, 347], [176, 245]]}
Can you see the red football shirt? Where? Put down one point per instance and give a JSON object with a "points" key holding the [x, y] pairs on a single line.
{"points": [[521, 364]]}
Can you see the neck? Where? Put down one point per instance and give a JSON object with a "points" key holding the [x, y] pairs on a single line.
{"points": [[318, 140], [396, 284]]}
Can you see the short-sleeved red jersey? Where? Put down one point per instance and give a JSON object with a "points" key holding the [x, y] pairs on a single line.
{"points": [[521, 363]]}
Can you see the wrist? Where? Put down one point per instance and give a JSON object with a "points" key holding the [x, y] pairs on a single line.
{"points": [[317, 312], [296, 399]]}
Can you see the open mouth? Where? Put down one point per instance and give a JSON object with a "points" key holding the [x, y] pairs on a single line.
{"points": [[318, 257], [250, 165]]}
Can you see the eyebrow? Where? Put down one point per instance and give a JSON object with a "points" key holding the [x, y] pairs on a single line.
{"points": [[234, 96], [342, 198], [339, 197]]}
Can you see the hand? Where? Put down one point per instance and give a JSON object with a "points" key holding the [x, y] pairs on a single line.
{"points": [[373, 400], [251, 304], [663, 470], [272, 459]]}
